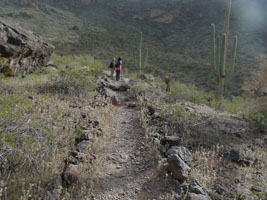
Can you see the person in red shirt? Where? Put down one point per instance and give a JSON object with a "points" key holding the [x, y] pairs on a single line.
{"points": [[118, 68]]}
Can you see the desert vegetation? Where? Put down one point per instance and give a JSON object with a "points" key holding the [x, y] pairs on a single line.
{"points": [[68, 131], [41, 114]]}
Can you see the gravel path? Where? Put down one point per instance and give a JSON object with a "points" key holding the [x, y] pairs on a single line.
{"points": [[129, 170]]}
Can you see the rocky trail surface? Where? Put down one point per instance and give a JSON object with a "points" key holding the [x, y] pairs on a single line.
{"points": [[129, 169]]}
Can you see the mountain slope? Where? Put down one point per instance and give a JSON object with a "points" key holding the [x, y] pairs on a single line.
{"points": [[176, 32]]}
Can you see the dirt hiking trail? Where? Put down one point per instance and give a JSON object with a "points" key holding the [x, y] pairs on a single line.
{"points": [[129, 169]]}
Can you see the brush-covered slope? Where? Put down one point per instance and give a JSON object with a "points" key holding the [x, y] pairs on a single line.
{"points": [[176, 32]]}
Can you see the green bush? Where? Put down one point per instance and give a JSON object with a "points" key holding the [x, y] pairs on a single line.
{"points": [[189, 92], [76, 73], [137, 89]]}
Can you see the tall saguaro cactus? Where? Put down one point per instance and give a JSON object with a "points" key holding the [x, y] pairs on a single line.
{"points": [[140, 51], [219, 54], [140, 56]]}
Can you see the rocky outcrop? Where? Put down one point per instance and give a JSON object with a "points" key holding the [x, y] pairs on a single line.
{"points": [[24, 49]]}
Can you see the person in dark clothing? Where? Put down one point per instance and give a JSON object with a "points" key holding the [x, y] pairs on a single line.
{"points": [[112, 68], [118, 68]]}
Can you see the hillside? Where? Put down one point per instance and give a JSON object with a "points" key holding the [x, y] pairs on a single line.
{"points": [[176, 32], [73, 133]]}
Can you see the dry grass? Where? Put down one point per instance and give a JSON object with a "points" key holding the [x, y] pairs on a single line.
{"points": [[37, 131], [208, 133]]}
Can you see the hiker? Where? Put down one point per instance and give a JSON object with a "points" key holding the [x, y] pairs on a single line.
{"points": [[112, 68], [118, 68], [167, 81]]}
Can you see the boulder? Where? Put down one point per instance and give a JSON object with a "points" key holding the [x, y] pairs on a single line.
{"points": [[53, 189], [86, 136], [85, 146], [122, 87], [79, 156], [151, 110], [24, 49], [233, 155], [170, 140], [193, 196], [115, 101], [182, 152], [70, 175], [196, 191], [179, 169], [147, 77]]}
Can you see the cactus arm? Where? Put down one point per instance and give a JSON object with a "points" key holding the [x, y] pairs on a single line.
{"points": [[218, 53], [233, 57], [223, 56], [227, 17], [213, 50]]}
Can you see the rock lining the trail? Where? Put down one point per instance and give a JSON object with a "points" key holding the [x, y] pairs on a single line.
{"points": [[179, 169], [53, 189]]}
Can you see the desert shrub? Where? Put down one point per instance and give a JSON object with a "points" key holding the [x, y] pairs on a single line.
{"points": [[189, 92], [76, 73], [137, 89], [32, 139], [238, 105], [256, 87], [176, 111], [73, 80], [88, 61]]}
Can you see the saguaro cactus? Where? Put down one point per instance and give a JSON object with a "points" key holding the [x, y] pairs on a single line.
{"points": [[140, 51], [219, 54], [140, 56]]}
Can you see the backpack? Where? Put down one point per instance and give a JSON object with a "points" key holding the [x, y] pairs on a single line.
{"points": [[111, 65], [117, 63]]}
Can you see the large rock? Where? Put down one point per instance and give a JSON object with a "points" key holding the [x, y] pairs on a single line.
{"points": [[233, 155], [86, 136], [24, 49], [70, 175], [196, 191], [182, 152], [147, 77], [85, 146], [179, 169], [117, 86], [194, 196], [53, 189], [170, 140]]}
